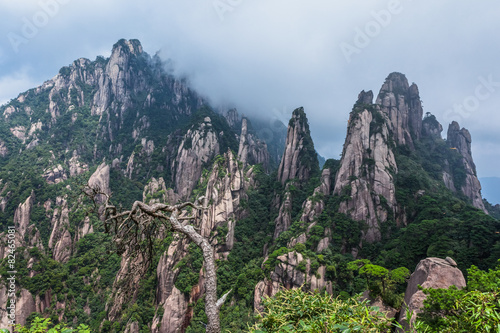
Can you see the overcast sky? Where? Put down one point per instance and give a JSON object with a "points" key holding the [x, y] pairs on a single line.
{"points": [[268, 57]]}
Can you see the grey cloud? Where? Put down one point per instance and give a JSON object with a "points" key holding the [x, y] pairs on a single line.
{"points": [[264, 56]]}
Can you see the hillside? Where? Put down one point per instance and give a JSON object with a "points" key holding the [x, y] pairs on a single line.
{"points": [[399, 194]]}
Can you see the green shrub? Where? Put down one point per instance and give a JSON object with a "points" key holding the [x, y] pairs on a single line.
{"points": [[298, 311]]}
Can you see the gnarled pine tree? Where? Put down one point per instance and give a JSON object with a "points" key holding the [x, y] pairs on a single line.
{"points": [[136, 230]]}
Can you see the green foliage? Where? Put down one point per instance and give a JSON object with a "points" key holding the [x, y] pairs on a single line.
{"points": [[473, 309], [42, 325], [189, 269], [298, 311], [381, 281]]}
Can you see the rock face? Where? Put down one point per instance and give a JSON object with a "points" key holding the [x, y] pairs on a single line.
{"points": [[431, 127], [430, 273], [226, 187], [299, 163], [314, 205], [27, 235], [287, 274], [460, 139], [284, 219], [55, 175], [60, 239], [3, 149], [168, 296], [100, 179], [299, 159], [402, 106], [25, 305], [367, 166], [197, 148], [251, 150], [312, 208]]}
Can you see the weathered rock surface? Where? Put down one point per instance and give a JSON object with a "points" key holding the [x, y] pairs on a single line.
{"points": [[402, 105], [126, 284], [22, 215], [24, 306], [100, 178], [431, 127], [27, 235], [299, 159], [60, 239], [168, 296], [155, 191], [284, 219], [174, 317], [251, 150], [76, 167], [433, 273], [366, 169], [314, 205], [299, 163], [389, 311], [3, 149], [132, 327], [198, 147], [55, 175], [286, 274], [460, 139], [226, 187]]}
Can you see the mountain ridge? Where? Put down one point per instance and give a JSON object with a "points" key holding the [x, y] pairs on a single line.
{"points": [[126, 125]]}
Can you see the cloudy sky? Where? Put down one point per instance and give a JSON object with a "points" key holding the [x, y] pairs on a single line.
{"points": [[268, 57]]}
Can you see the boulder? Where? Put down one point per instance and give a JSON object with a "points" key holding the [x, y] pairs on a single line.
{"points": [[433, 273]]}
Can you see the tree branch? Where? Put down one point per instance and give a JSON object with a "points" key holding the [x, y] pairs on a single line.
{"points": [[221, 300]]}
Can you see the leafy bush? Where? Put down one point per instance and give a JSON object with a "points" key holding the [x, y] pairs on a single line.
{"points": [[298, 311], [475, 308], [41, 325]]}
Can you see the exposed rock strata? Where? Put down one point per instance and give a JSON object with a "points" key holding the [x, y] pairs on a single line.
{"points": [[299, 159], [197, 148], [366, 170], [286, 274], [252, 151], [402, 105], [298, 164], [100, 178], [60, 239], [227, 184], [460, 140], [25, 305]]}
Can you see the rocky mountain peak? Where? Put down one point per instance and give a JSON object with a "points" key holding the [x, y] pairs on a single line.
{"points": [[252, 150], [365, 97], [132, 46], [431, 127], [459, 139], [299, 159], [401, 103], [365, 178], [395, 82]]}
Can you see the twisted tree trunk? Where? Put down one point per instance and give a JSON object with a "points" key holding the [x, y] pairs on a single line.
{"points": [[141, 223]]}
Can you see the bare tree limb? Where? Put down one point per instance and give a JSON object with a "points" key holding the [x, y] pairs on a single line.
{"points": [[221, 300], [137, 229]]}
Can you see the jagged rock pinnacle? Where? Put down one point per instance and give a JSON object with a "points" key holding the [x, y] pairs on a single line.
{"points": [[460, 139], [401, 103], [299, 159]]}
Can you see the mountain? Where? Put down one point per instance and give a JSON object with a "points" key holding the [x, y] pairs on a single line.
{"points": [[125, 124]]}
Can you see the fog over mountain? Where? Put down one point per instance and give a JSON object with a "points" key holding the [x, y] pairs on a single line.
{"points": [[269, 58]]}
